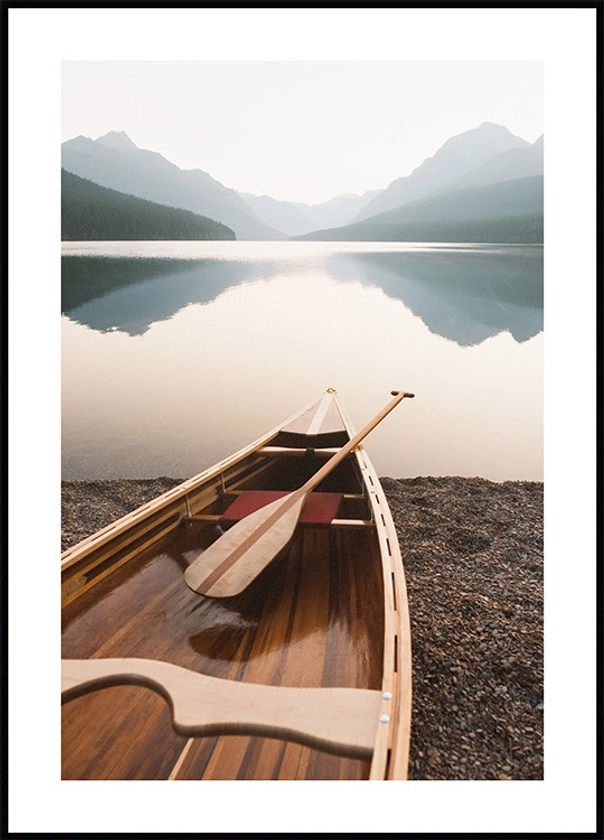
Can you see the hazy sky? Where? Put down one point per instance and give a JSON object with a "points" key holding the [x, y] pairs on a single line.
{"points": [[299, 130]]}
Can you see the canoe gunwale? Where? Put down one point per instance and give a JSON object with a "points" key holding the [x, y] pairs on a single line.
{"points": [[153, 520], [179, 493], [391, 749]]}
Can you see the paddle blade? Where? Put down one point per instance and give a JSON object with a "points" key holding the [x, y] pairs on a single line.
{"points": [[230, 564]]}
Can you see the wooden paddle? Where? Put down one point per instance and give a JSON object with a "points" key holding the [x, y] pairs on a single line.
{"points": [[230, 564]]}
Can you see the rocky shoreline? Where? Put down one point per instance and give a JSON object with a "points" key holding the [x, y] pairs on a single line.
{"points": [[473, 555]]}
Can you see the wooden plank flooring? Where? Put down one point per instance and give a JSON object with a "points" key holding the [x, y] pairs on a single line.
{"points": [[314, 618]]}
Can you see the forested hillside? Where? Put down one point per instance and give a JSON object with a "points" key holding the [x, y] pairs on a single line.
{"points": [[511, 211], [115, 162], [92, 212]]}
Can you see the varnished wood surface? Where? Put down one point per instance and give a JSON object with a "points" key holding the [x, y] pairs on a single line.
{"points": [[313, 620], [331, 611], [229, 565]]}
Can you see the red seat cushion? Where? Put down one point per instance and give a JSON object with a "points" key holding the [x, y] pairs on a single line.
{"points": [[318, 509]]}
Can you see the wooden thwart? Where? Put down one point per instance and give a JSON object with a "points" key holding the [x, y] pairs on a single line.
{"points": [[324, 704], [339, 720], [231, 563]]}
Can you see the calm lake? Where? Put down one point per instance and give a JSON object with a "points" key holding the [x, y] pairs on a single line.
{"points": [[175, 354]]}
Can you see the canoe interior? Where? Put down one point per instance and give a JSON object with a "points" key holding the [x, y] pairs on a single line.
{"points": [[314, 618]]}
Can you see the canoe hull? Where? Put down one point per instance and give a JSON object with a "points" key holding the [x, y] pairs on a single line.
{"points": [[329, 613]]}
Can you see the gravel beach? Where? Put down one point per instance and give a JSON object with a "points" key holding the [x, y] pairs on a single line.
{"points": [[473, 556]]}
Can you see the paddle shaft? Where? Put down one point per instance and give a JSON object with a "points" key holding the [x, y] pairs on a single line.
{"points": [[352, 444], [257, 539], [318, 477]]}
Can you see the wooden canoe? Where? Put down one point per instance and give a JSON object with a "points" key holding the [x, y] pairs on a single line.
{"points": [[305, 674]]}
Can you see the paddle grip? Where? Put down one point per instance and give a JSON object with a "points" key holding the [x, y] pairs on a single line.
{"points": [[352, 444]]}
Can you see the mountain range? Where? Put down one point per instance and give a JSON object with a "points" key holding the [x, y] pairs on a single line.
{"points": [[485, 184], [507, 211], [114, 161]]}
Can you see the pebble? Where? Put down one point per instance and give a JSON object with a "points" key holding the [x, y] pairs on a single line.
{"points": [[88, 506], [473, 556]]}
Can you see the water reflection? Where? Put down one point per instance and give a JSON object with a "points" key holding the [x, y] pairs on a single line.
{"points": [[120, 293], [464, 295], [230, 340]]}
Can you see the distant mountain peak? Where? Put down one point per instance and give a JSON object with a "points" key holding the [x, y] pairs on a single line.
{"points": [[488, 128], [117, 140], [458, 156], [486, 132], [491, 125]]}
